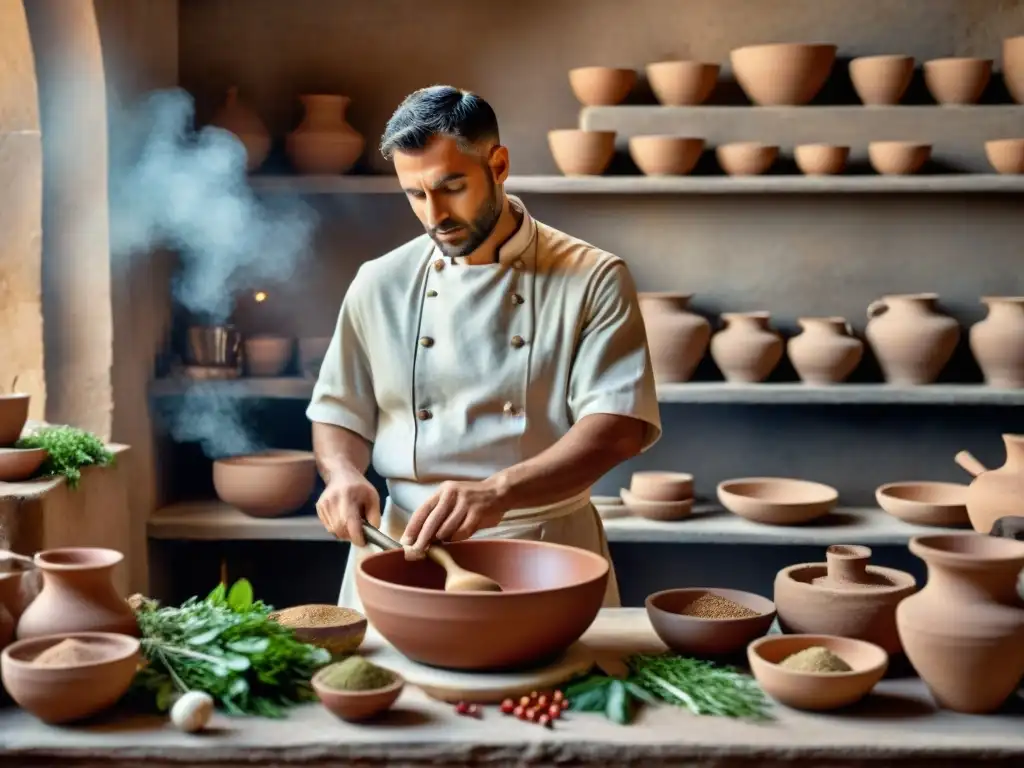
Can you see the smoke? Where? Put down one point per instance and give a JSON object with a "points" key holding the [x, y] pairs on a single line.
{"points": [[205, 415]]}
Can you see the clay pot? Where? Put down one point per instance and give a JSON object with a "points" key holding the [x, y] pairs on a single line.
{"points": [[912, 341], [690, 635], [78, 595], [782, 74], [964, 631], [324, 142], [268, 484], [881, 80], [898, 158], [746, 350], [844, 596], [677, 337], [925, 503], [826, 351], [13, 415], [997, 342], [682, 83], [601, 86], [244, 123], [13, 593], [356, 706], [777, 500], [581, 153], [664, 511], [661, 486], [1013, 67], [746, 158], [1006, 155], [995, 493], [268, 355], [405, 601], [957, 80], [821, 159], [665, 155], [17, 464]]}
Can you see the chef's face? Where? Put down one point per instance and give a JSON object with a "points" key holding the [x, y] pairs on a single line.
{"points": [[454, 193]]}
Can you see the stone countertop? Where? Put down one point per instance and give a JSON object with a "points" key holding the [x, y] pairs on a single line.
{"points": [[897, 725]]}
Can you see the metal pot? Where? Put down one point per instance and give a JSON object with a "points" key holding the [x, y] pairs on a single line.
{"points": [[213, 345]]}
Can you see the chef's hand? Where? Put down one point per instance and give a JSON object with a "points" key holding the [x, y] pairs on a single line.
{"points": [[346, 502], [455, 512]]}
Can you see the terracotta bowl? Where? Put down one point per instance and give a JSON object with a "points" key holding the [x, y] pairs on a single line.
{"points": [[819, 691], [1013, 67], [18, 464], [13, 415], [1006, 155], [821, 159], [898, 158], [67, 693], [707, 637], [665, 155], [661, 486], [601, 86], [881, 80], [782, 74], [357, 705], [682, 83], [268, 355], [957, 80], [551, 595], [581, 153], [777, 500], [343, 637], [312, 351], [266, 484], [664, 511], [925, 503], [746, 158]]}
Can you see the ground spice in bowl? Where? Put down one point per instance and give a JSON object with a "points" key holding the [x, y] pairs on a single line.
{"points": [[712, 606], [815, 659], [356, 674], [316, 616], [68, 653]]}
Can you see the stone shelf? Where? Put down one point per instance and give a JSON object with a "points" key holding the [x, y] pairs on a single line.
{"points": [[216, 521], [691, 392]]}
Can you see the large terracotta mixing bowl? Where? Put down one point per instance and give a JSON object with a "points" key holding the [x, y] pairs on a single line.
{"points": [[551, 595]]}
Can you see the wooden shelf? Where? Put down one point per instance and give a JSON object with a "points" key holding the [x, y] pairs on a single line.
{"points": [[216, 521], [688, 393]]}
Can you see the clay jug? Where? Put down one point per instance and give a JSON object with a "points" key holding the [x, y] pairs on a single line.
{"points": [[324, 142], [236, 117], [677, 337], [826, 351], [844, 596], [998, 492], [997, 342], [964, 631], [78, 595], [911, 339], [746, 350]]}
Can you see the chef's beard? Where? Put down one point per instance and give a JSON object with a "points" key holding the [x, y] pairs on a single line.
{"points": [[475, 232]]}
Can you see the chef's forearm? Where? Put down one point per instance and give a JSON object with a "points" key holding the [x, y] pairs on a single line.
{"points": [[339, 451], [594, 445]]}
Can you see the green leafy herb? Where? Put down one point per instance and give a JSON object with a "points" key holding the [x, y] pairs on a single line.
{"points": [[69, 449], [616, 699], [226, 646]]}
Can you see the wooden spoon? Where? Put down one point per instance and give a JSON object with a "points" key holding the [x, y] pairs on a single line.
{"points": [[458, 579]]}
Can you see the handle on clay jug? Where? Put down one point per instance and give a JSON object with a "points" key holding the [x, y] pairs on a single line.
{"points": [[877, 307], [970, 464]]}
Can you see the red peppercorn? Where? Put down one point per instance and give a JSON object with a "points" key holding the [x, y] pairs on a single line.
{"points": [[531, 714], [524, 701], [544, 720], [557, 696], [542, 702], [508, 706], [554, 711], [519, 712], [462, 708]]}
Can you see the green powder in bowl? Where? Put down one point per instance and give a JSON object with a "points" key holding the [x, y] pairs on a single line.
{"points": [[356, 674]]}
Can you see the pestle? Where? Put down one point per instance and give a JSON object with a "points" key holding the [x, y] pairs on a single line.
{"points": [[458, 579], [847, 563], [970, 464]]}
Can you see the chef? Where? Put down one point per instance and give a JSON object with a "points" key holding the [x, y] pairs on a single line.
{"points": [[493, 369]]}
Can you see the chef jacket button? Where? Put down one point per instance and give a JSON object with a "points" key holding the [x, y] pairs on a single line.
{"points": [[424, 415], [426, 341], [431, 293], [439, 264], [518, 341], [509, 409], [517, 299], [518, 265]]}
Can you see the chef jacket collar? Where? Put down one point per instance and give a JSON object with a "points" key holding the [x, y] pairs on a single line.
{"points": [[512, 250]]}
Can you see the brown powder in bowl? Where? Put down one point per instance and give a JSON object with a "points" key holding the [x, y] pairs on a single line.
{"points": [[316, 616], [815, 659], [68, 653], [711, 606]]}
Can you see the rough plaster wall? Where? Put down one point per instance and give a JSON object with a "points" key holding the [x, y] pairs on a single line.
{"points": [[21, 197]]}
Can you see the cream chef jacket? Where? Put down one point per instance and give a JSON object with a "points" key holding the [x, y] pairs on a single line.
{"points": [[455, 372]]}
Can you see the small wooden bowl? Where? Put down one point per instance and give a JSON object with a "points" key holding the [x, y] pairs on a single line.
{"points": [[601, 86], [664, 511], [925, 503], [357, 705], [344, 637], [17, 464], [816, 691], [746, 158], [581, 153], [707, 636], [777, 500]]}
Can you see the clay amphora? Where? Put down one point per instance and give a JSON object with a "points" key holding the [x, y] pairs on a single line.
{"points": [[997, 342], [964, 631], [843, 596], [324, 142], [677, 337], [998, 492], [78, 595], [826, 351], [746, 350], [236, 117], [912, 341]]}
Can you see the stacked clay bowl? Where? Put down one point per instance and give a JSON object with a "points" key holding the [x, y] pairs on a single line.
{"points": [[777, 500], [661, 496], [728, 620]]}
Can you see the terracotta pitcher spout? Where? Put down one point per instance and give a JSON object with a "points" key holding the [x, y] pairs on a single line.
{"points": [[995, 493]]}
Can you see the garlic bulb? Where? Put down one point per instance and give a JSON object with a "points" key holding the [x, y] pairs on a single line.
{"points": [[192, 711]]}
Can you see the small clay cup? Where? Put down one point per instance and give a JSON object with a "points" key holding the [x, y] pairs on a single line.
{"points": [[816, 691], [1006, 155], [777, 500], [881, 80], [581, 153], [682, 83], [355, 706], [746, 158], [665, 155], [703, 636], [601, 86], [925, 503], [17, 464], [821, 159], [957, 81], [661, 486], [898, 158], [662, 511], [344, 637], [13, 415]]}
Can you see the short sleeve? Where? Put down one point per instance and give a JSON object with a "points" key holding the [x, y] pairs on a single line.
{"points": [[612, 371], [343, 395]]}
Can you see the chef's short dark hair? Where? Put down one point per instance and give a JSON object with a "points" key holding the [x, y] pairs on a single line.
{"points": [[440, 110]]}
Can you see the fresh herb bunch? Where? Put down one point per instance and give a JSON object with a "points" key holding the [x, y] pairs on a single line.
{"points": [[68, 449], [227, 646], [616, 699]]}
